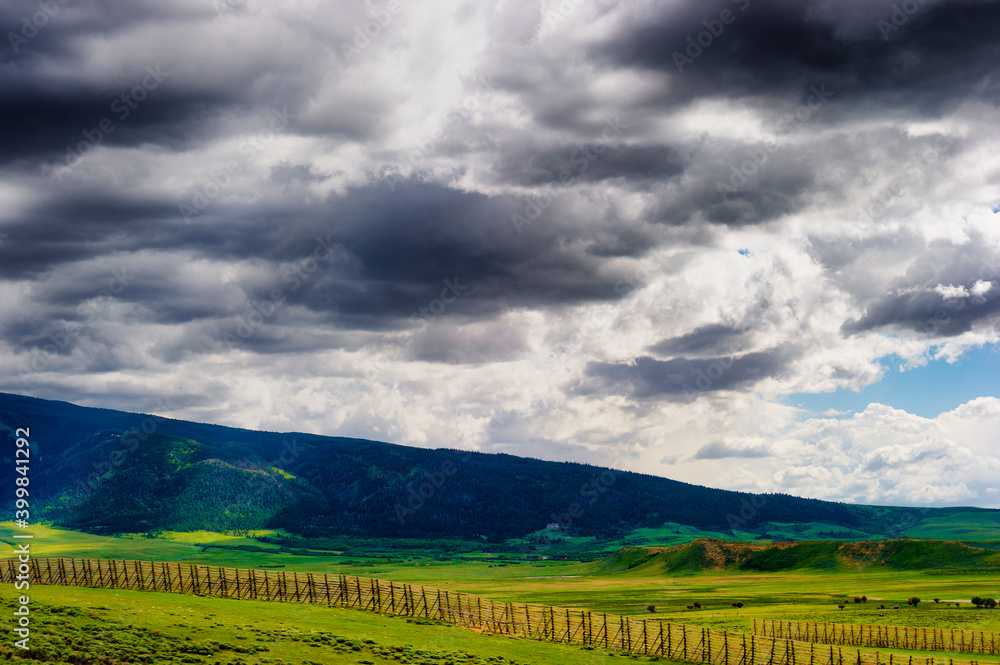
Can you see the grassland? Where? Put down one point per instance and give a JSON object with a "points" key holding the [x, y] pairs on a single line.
{"points": [[297, 634], [76, 625], [806, 594]]}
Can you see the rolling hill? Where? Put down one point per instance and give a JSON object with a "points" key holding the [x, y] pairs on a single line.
{"points": [[109, 471], [896, 554]]}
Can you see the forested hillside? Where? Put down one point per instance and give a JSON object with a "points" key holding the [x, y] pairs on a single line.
{"points": [[110, 471]]}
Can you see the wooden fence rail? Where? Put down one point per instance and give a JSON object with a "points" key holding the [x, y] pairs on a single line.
{"points": [[693, 644], [886, 637]]}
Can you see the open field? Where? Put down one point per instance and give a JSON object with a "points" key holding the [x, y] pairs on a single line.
{"points": [[145, 627], [807, 595], [804, 595], [686, 642]]}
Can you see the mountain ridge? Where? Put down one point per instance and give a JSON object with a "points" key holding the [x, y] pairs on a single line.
{"points": [[104, 470]]}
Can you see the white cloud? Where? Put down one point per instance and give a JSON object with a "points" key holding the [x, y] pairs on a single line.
{"points": [[845, 245]]}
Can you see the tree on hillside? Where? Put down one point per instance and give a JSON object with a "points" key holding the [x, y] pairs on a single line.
{"points": [[977, 601], [857, 599], [990, 602], [913, 601], [841, 606]]}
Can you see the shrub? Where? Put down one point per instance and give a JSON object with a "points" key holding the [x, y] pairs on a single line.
{"points": [[913, 601], [690, 607], [738, 604], [990, 602], [841, 606], [881, 607], [937, 600], [650, 608], [697, 605], [977, 601], [864, 599], [857, 599], [895, 607]]}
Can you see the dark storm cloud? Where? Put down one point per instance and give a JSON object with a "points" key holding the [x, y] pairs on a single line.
{"points": [[719, 196], [684, 378], [531, 165], [111, 74], [406, 243], [930, 312], [943, 53], [947, 291], [711, 340], [58, 122], [385, 256], [445, 261]]}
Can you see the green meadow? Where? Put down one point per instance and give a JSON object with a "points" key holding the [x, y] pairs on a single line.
{"points": [[135, 626], [111, 627]]}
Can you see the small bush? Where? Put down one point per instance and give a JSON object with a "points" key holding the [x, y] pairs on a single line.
{"points": [[895, 607], [841, 606], [913, 601], [697, 605], [864, 599], [651, 608], [857, 599], [738, 604], [990, 603], [937, 600]]}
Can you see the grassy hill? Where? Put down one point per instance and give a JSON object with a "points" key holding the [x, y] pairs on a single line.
{"points": [[898, 554], [114, 472]]}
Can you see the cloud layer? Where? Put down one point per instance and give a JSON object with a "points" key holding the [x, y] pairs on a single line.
{"points": [[615, 232]]}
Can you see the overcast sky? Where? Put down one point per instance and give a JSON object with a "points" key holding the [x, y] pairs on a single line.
{"points": [[744, 243]]}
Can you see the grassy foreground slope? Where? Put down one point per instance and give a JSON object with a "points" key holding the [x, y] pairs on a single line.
{"points": [[78, 625]]}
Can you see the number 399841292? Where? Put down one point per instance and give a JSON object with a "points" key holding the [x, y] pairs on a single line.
{"points": [[22, 456]]}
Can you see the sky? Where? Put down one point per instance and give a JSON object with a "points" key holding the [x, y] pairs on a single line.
{"points": [[749, 244]]}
